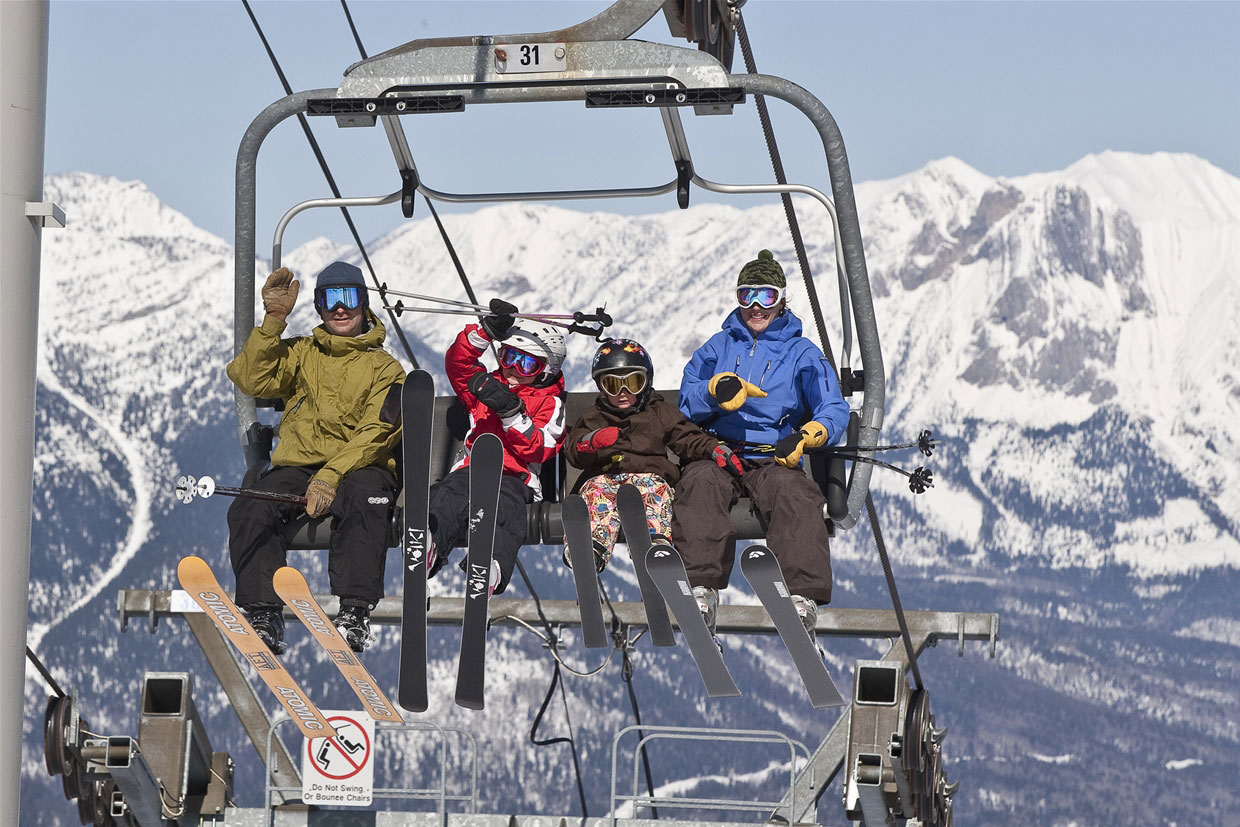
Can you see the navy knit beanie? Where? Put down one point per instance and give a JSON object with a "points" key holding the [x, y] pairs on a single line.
{"points": [[338, 274]]}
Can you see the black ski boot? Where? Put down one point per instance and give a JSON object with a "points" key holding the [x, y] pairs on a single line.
{"points": [[601, 556], [353, 621], [267, 620]]}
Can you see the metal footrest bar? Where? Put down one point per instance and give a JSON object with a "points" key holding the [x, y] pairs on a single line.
{"points": [[649, 734]]}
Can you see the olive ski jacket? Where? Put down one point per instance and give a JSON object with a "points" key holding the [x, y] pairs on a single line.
{"points": [[333, 389]]}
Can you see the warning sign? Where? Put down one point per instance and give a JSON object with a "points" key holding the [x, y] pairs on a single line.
{"points": [[340, 770]]}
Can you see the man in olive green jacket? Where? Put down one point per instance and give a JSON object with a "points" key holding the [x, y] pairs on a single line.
{"points": [[341, 393]]}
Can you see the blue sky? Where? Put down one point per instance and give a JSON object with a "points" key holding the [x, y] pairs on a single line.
{"points": [[162, 91]]}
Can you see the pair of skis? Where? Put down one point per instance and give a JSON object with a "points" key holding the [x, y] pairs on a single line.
{"points": [[664, 584], [202, 586], [486, 464], [632, 509], [660, 577]]}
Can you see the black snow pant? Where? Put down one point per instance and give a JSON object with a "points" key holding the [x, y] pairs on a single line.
{"points": [[357, 547], [449, 520], [788, 503]]}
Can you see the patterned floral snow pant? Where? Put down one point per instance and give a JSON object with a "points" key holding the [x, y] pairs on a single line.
{"points": [[600, 496]]}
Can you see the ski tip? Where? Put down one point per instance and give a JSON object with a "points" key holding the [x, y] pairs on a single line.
{"points": [[191, 566], [725, 693], [470, 703], [414, 704], [288, 575], [828, 703]]}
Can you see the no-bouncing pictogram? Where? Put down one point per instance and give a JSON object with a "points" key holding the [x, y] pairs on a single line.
{"points": [[344, 756]]}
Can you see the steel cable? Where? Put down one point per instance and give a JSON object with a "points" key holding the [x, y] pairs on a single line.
{"points": [[331, 181]]}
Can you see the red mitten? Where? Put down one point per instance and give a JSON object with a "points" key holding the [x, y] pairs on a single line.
{"points": [[597, 440]]}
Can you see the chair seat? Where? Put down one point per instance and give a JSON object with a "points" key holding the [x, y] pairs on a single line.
{"points": [[451, 425]]}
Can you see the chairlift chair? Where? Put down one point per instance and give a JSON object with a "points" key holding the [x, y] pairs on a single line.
{"points": [[597, 63]]}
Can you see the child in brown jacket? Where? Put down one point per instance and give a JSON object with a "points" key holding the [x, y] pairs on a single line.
{"points": [[625, 438]]}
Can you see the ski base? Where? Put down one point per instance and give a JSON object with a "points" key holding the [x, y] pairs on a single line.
{"points": [[486, 465], [668, 572], [417, 418], [632, 508], [200, 582], [291, 585], [762, 571], [576, 518]]}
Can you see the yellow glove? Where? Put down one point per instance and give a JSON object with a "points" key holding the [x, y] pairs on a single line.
{"points": [[319, 496], [731, 391], [789, 449], [280, 293]]}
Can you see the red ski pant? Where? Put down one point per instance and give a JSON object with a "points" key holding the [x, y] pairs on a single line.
{"points": [[787, 502]]}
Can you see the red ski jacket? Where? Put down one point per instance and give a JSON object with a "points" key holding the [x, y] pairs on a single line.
{"points": [[531, 437]]}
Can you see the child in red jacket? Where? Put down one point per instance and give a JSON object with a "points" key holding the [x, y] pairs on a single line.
{"points": [[523, 403]]}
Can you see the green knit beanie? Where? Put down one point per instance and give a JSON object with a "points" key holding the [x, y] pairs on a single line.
{"points": [[762, 270]]}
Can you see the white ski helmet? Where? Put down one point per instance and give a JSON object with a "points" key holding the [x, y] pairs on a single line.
{"points": [[541, 340]]}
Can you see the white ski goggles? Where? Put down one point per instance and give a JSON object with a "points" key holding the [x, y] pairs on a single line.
{"points": [[765, 296]]}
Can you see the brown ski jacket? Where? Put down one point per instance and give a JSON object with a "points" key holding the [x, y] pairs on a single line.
{"points": [[646, 437]]}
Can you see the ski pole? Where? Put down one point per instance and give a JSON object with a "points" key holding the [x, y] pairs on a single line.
{"points": [[187, 488], [600, 318], [482, 310]]}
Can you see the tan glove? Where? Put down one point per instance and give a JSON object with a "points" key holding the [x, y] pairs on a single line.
{"points": [[789, 449], [319, 496], [280, 293], [731, 391]]}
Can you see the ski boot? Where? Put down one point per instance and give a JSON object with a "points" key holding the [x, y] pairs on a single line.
{"points": [[353, 621], [433, 563], [493, 580], [807, 610], [267, 620], [601, 556], [708, 604]]}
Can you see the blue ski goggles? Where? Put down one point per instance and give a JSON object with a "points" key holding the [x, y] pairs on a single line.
{"points": [[327, 299], [520, 361], [763, 295]]}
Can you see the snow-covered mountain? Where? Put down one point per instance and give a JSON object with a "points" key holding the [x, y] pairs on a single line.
{"points": [[1071, 337]]}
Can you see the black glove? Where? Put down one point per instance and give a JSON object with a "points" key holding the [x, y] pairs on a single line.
{"points": [[495, 394], [500, 321]]}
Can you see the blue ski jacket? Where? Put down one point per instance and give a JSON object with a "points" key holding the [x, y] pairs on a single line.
{"points": [[799, 382]]}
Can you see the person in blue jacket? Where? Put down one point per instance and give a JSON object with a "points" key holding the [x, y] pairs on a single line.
{"points": [[759, 384]]}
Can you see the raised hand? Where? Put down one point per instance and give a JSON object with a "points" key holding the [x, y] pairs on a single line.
{"points": [[495, 394], [280, 293]]}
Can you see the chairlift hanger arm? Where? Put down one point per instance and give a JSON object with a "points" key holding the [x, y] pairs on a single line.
{"points": [[617, 65]]}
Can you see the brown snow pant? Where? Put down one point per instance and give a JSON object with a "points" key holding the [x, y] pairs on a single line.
{"points": [[788, 503]]}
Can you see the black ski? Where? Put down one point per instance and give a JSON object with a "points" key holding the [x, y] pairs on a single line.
{"points": [[576, 518], [486, 465], [417, 402], [762, 571], [667, 571], [632, 510]]}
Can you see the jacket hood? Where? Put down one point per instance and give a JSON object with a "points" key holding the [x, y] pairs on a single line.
{"points": [[371, 339], [783, 327]]}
